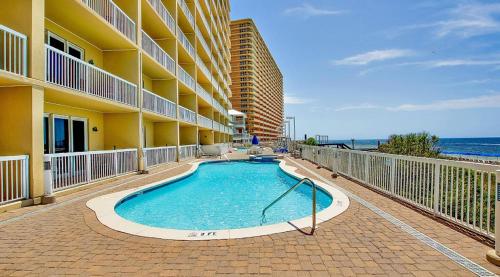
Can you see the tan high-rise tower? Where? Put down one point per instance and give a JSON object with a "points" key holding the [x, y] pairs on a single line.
{"points": [[257, 83]]}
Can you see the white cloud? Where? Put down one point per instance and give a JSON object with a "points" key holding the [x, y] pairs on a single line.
{"points": [[484, 101], [307, 10], [374, 56], [295, 100]]}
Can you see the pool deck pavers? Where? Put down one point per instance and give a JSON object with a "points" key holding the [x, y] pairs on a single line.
{"points": [[66, 238]]}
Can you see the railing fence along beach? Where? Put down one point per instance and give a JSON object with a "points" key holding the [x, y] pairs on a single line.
{"points": [[13, 51], [460, 192], [14, 178], [66, 170]]}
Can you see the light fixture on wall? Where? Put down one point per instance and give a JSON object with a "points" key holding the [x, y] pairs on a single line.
{"points": [[94, 129]]}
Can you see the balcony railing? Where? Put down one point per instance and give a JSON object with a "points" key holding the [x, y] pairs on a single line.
{"points": [[164, 14], [187, 151], [203, 67], [204, 43], [67, 71], [157, 104], [160, 155], [14, 178], [155, 51], [459, 192], [186, 78], [187, 115], [204, 121], [185, 42], [108, 10], [187, 12], [217, 126], [13, 51], [202, 15], [203, 93], [69, 170]]}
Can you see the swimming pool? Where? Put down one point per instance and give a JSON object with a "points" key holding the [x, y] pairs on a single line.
{"points": [[218, 200], [223, 195]]}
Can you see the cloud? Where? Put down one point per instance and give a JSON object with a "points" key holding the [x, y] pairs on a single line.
{"points": [[295, 100], [484, 101], [307, 10], [451, 63], [374, 56]]}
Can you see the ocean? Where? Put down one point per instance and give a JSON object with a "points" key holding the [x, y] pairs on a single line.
{"points": [[481, 147]]}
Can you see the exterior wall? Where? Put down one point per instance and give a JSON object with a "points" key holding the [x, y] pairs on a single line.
{"points": [[257, 83]]}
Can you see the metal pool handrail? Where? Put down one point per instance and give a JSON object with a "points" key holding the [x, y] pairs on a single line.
{"points": [[290, 190]]}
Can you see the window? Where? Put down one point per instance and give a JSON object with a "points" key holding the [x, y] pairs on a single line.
{"points": [[79, 134], [65, 46], [46, 148], [63, 134]]}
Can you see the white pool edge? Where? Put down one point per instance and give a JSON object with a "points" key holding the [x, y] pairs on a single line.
{"points": [[104, 208]]}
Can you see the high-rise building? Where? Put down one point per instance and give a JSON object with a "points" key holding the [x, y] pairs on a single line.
{"points": [[95, 89], [257, 83]]}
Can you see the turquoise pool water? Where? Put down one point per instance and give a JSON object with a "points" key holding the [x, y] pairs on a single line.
{"points": [[222, 195]]}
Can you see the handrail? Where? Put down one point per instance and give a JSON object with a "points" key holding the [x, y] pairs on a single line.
{"points": [[290, 190]]}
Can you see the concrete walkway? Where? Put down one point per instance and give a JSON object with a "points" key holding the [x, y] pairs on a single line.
{"points": [[66, 238]]}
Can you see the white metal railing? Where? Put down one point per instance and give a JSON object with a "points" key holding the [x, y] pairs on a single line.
{"points": [[187, 115], [205, 122], [218, 107], [203, 93], [14, 178], [203, 42], [185, 42], [155, 51], [187, 12], [108, 10], [187, 151], [461, 192], [186, 78], [164, 13], [13, 51], [69, 72], [203, 67], [217, 126], [157, 104], [69, 170], [160, 155], [202, 15]]}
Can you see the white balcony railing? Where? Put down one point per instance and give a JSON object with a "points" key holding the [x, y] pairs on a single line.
{"points": [[460, 192], [14, 178], [186, 78], [13, 51], [164, 14], [187, 151], [160, 155], [157, 104], [204, 121], [203, 67], [203, 93], [108, 10], [187, 115], [67, 71], [217, 126], [69, 170], [185, 42], [155, 51], [187, 12], [203, 43], [202, 15]]}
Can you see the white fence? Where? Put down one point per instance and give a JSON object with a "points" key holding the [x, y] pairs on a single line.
{"points": [[64, 70], [68, 170], [204, 94], [157, 104], [14, 178], [461, 192], [164, 14], [13, 51], [187, 151], [204, 121], [185, 42], [187, 115], [155, 51], [187, 79], [160, 155], [108, 10]]}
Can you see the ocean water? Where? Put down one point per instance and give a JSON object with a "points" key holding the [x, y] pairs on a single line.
{"points": [[485, 147], [223, 195]]}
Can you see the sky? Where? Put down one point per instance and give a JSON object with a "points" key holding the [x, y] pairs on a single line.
{"points": [[368, 69]]}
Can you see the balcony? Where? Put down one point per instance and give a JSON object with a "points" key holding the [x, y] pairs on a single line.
{"points": [[186, 43], [187, 115], [71, 73], [159, 155], [161, 57], [157, 104], [14, 178], [13, 52], [205, 95], [186, 79], [205, 122], [187, 12], [161, 13], [203, 68], [105, 25]]}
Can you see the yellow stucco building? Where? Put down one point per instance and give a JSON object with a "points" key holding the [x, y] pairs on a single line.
{"points": [[91, 89]]}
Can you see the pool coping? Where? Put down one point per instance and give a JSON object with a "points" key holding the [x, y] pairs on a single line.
{"points": [[104, 208]]}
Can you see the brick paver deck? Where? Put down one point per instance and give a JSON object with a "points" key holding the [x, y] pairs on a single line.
{"points": [[66, 238]]}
